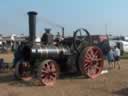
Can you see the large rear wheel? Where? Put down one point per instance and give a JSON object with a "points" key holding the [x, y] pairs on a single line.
{"points": [[91, 61]]}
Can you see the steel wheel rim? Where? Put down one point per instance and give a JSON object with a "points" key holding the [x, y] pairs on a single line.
{"points": [[93, 62], [23, 71], [49, 73]]}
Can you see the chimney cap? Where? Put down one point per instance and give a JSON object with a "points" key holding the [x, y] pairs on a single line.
{"points": [[32, 12]]}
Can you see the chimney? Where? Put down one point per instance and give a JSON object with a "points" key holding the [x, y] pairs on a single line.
{"points": [[32, 25], [63, 32]]}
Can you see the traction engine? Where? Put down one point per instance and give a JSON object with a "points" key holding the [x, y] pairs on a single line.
{"points": [[50, 58]]}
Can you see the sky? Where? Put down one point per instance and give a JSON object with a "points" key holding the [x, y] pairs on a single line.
{"points": [[97, 16]]}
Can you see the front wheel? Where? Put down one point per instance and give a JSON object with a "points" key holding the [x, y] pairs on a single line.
{"points": [[48, 72]]}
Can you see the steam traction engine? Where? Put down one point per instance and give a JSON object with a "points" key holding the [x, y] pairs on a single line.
{"points": [[47, 60]]}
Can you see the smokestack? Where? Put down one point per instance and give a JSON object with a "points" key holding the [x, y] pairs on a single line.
{"points": [[63, 32], [32, 25]]}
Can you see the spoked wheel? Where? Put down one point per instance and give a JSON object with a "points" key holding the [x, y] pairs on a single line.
{"points": [[23, 71], [48, 72], [91, 62]]}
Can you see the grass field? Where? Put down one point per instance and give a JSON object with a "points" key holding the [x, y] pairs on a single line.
{"points": [[115, 83]]}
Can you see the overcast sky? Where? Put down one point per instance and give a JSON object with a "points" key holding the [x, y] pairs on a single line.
{"points": [[93, 15]]}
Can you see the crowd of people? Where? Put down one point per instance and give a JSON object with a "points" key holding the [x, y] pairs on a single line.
{"points": [[113, 57]]}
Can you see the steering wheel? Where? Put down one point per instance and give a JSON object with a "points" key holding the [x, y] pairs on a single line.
{"points": [[78, 37]]}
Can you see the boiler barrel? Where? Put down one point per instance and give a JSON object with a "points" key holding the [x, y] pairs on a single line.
{"points": [[51, 51]]}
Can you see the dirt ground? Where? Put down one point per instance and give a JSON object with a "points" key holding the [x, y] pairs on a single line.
{"points": [[114, 83]]}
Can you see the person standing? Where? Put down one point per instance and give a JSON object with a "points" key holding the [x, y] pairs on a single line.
{"points": [[110, 57], [117, 57]]}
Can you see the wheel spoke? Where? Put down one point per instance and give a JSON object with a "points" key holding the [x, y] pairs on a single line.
{"points": [[97, 67], [88, 56], [91, 53], [45, 80], [48, 66], [45, 66], [44, 70], [43, 75], [87, 61], [96, 53], [86, 67], [53, 76], [53, 69], [97, 59]]}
